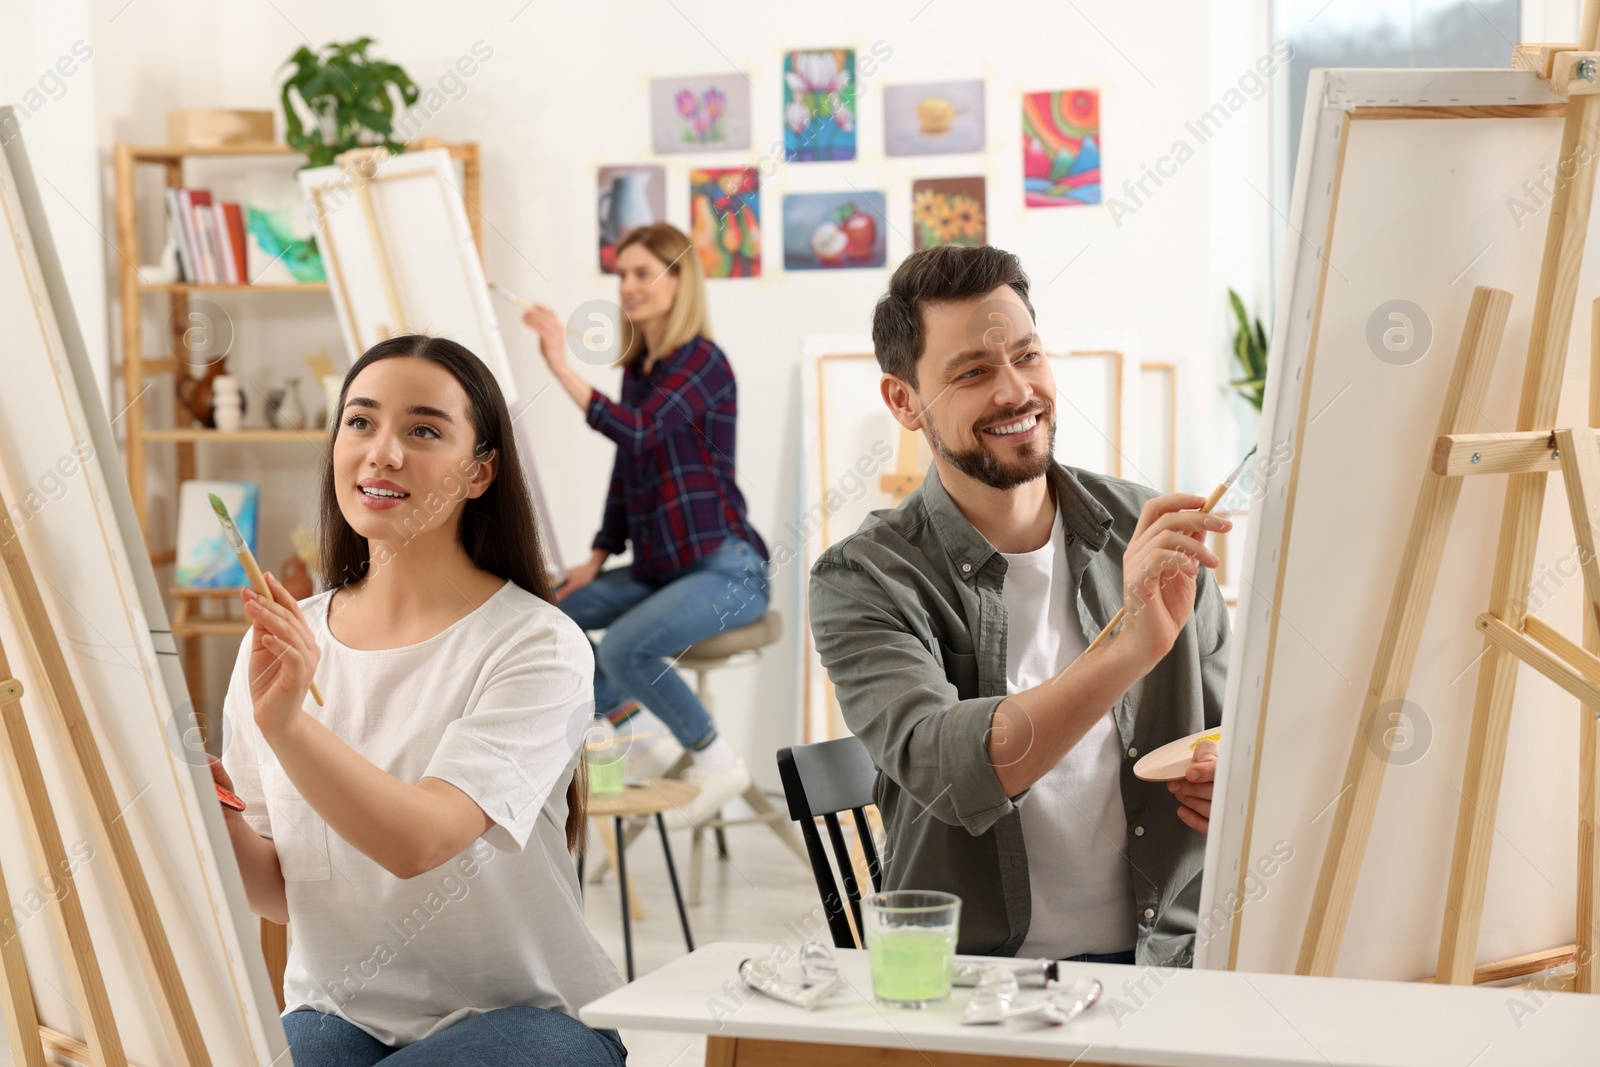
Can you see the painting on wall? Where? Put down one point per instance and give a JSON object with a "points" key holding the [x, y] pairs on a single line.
{"points": [[931, 118], [627, 197], [948, 211], [725, 220], [819, 105], [700, 112], [1061, 148], [825, 231]]}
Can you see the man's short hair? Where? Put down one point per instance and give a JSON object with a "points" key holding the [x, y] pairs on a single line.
{"points": [[933, 276]]}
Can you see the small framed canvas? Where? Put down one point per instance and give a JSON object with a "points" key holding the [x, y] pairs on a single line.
{"points": [[205, 561]]}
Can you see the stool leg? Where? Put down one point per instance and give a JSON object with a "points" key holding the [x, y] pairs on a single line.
{"points": [[722, 844], [672, 875], [622, 884], [697, 849]]}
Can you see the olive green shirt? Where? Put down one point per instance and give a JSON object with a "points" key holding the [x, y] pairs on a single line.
{"points": [[909, 620]]}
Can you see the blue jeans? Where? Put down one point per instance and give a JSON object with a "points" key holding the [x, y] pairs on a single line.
{"points": [[521, 1035], [647, 626]]}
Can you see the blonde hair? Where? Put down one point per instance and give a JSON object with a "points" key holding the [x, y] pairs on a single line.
{"points": [[690, 317]]}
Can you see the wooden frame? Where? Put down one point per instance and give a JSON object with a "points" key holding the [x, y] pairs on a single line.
{"points": [[1166, 375]]}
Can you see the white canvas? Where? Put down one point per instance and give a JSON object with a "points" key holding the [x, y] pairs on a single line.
{"points": [[63, 481], [1416, 208]]}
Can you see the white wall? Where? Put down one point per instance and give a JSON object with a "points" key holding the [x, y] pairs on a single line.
{"points": [[566, 91]]}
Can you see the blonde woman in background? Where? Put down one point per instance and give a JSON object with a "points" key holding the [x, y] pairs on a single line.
{"points": [[698, 565]]}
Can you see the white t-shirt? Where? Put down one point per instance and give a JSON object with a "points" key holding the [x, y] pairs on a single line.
{"points": [[495, 705], [1073, 823]]}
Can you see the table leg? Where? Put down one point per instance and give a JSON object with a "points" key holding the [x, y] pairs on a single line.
{"points": [[622, 884], [672, 875]]}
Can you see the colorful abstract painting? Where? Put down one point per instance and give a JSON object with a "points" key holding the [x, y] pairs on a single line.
{"points": [[948, 211], [725, 221], [626, 198], [931, 118], [699, 113], [819, 105], [1061, 148], [825, 231]]}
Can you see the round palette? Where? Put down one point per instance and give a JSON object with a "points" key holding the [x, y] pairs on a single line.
{"points": [[1171, 761]]}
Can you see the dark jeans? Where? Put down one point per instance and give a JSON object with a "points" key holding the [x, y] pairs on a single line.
{"points": [[520, 1035]]}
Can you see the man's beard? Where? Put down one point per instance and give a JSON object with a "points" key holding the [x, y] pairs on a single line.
{"points": [[982, 465]]}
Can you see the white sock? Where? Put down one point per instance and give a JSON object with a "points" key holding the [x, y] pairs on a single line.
{"points": [[716, 757], [642, 730]]}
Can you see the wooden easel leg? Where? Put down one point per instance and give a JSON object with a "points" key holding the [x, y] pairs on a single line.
{"points": [[1519, 528], [275, 951], [1402, 634], [1586, 978], [76, 737], [21, 1021], [66, 907]]}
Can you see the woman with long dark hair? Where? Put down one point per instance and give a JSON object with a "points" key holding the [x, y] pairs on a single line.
{"points": [[699, 567], [414, 827]]}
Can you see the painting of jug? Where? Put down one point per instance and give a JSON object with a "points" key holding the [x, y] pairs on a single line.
{"points": [[627, 197]]}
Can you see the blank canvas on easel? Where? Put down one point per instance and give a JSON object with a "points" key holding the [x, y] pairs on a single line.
{"points": [[70, 506], [401, 258], [1404, 202]]}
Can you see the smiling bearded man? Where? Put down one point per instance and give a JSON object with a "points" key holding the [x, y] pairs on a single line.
{"points": [[955, 630]]}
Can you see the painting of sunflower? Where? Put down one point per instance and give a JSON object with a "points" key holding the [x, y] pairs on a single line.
{"points": [[948, 211]]}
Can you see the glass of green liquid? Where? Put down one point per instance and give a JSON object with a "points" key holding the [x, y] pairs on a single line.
{"points": [[911, 946], [605, 760]]}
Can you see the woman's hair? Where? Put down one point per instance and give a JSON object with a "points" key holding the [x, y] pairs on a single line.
{"points": [[497, 528], [690, 316]]}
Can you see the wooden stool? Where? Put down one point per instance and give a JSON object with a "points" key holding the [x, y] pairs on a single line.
{"points": [[733, 647], [655, 796]]}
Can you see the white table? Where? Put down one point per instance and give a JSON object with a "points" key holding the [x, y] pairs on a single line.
{"points": [[1173, 1018]]}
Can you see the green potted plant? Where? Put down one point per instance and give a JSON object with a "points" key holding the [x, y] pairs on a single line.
{"points": [[1250, 349], [347, 100]]}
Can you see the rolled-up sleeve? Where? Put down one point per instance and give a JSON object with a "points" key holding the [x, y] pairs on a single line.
{"points": [[519, 741], [897, 699]]}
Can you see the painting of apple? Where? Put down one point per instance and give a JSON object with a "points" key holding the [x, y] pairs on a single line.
{"points": [[830, 231]]}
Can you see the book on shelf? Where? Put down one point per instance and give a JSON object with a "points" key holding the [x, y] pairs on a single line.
{"points": [[210, 236]]}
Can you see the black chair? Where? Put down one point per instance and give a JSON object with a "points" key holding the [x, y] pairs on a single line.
{"points": [[820, 781]]}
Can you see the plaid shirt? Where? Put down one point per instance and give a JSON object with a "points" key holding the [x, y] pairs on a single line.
{"points": [[672, 486]]}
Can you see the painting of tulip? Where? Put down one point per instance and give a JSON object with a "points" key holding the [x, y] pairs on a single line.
{"points": [[948, 211], [1061, 148], [699, 113], [819, 105], [725, 221], [824, 231]]}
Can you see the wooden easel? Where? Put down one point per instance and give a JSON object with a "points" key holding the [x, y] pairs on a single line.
{"points": [[103, 1046], [1513, 637], [907, 473]]}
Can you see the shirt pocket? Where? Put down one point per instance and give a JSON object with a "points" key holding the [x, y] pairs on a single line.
{"points": [[960, 668], [299, 834]]}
